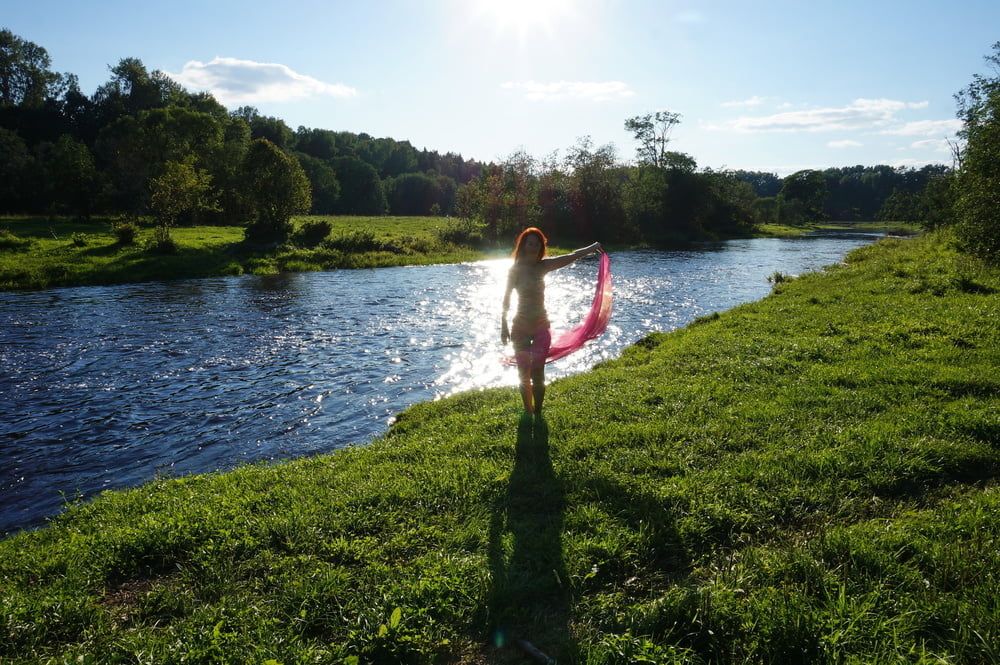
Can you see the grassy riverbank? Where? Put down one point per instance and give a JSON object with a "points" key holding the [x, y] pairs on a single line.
{"points": [[889, 228], [41, 252], [807, 478]]}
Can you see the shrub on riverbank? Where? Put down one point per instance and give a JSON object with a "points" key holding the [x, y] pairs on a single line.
{"points": [[806, 478], [10, 240]]}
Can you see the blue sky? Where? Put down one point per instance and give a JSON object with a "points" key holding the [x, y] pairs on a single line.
{"points": [[775, 86]]}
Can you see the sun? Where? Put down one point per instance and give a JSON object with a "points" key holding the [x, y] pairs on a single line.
{"points": [[523, 18]]}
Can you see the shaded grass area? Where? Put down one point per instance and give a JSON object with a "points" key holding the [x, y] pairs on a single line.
{"points": [[808, 478], [42, 252]]}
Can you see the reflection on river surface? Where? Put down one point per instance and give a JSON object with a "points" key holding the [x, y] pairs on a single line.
{"points": [[105, 387]]}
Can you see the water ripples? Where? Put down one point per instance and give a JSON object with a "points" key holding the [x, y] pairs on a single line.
{"points": [[105, 387]]}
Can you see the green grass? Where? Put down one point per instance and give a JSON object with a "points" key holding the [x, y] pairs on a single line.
{"points": [[808, 478], [41, 252], [787, 231], [890, 227]]}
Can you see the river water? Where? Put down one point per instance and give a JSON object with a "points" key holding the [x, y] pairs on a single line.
{"points": [[107, 387]]}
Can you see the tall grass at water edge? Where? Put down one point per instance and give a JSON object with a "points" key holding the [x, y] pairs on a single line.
{"points": [[808, 478]]}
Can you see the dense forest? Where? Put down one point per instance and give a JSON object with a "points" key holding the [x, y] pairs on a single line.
{"points": [[62, 151], [143, 145]]}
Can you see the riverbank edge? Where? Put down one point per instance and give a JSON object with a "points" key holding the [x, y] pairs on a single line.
{"points": [[85, 253], [809, 475]]}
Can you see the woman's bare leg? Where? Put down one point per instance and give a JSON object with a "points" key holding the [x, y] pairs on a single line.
{"points": [[538, 385], [526, 393]]}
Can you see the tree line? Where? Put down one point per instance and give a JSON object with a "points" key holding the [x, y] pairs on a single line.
{"points": [[142, 144], [62, 151]]}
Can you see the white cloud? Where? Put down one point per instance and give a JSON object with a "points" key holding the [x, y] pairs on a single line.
{"points": [[234, 82], [745, 103], [593, 91], [844, 143], [938, 145], [861, 114], [926, 128]]}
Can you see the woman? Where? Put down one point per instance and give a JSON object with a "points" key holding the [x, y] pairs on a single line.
{"points": [[530, 328]]}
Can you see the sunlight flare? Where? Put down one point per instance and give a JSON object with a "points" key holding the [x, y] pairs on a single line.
{"points": [[523, 17]]}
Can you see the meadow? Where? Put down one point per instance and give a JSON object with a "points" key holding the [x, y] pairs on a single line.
{"points": [[41, 252], [808, 478]]}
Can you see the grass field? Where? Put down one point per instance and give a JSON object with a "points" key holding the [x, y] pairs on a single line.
{"points": [[41, 252], [808, 478]]}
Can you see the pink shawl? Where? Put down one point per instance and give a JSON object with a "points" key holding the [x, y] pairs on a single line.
{"points": [[565, 343]]}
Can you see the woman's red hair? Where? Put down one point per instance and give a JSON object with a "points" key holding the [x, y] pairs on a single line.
{"points": [[524, 234]]}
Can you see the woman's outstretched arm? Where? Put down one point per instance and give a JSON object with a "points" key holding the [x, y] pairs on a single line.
{"points": [[556, 262]]}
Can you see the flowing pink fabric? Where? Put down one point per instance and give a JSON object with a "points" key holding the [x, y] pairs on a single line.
{"points": [[565, 343]]}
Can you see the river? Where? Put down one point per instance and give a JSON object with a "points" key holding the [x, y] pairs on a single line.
{"points": [[108, 387]]}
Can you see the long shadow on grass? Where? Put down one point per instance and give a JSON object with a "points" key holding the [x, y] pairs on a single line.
{"points": [[530, 598]]}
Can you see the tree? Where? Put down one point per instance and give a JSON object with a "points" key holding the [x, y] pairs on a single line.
{"points": [[136, 148], [413, 194], [361, 191], [763, 183], [266, 127], [181, 190], [276, 187], [70, 174], [765, 210], [447, 189], [808, 188], [938, 201], [324, 184], [15, 162], [555, 217], [226, 167], [78, 111], [595, 193], [645, 201], [732, 203], [977, 205], [652, 131], [901, 206], [132, 88], [318, 143], [25, 77]]}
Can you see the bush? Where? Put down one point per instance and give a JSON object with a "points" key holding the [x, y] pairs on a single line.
{"points": [[312, 233], [463, 232], [361, 240], [162, 242], [126, 231], [8, 240], [267, 234]]}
